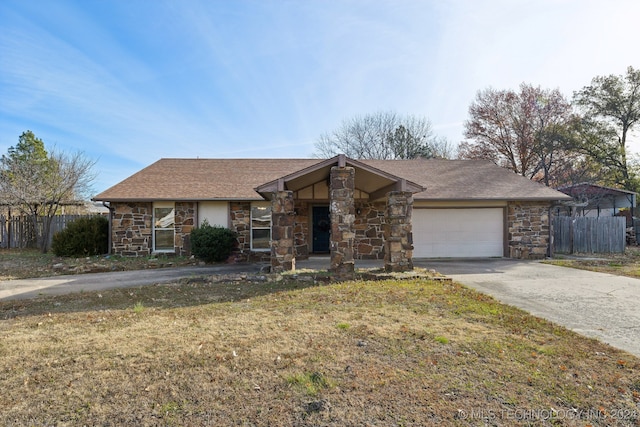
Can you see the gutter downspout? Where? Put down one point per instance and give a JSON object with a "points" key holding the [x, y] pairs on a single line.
{"points": [[111, 211]]}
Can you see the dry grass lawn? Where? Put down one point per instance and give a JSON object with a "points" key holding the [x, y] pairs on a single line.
{"points": [[627, 264], [291, 353]]}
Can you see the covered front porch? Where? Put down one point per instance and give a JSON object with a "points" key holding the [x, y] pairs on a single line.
{"points": [[337, 200]]}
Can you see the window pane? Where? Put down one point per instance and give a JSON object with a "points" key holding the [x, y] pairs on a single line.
{"points": [[164, 217], [261, 238], [260, 217], [164, 240]]}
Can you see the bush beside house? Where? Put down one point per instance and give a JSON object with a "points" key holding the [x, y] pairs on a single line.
{"points": [[83, 237], [212, 243]]}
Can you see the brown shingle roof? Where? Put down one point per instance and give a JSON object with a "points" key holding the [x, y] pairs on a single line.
{"points": [[466, 180], [202, 179], [236, 179]]}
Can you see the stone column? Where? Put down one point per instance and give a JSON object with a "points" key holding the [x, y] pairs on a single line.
{"points": [[398, 236], [342, 212], [282, 232]]}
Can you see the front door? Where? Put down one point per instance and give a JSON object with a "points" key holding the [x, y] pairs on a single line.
{"points": [[321, 229]]}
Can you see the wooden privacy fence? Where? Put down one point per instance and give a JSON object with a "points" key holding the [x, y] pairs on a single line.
{"points": [[17, 232], [589, 234]]}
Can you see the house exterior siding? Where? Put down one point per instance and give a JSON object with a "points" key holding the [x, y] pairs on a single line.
{"points": [[132, 230], [528, 227]]}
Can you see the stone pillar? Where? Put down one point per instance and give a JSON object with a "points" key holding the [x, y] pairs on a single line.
{"points": [[342, 212], [282, 232], [398, 236]]}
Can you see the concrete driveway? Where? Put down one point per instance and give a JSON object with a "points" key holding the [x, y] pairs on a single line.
{"points": [[597, 305]]}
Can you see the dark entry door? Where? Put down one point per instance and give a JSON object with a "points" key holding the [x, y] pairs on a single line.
{"points": [[321, 229]]}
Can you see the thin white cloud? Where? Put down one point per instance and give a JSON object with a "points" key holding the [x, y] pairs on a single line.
{"points": [[265, 79]]}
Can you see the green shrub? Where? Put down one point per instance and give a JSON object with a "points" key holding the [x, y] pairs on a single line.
{"points": [[212, 243], [83, 237]]}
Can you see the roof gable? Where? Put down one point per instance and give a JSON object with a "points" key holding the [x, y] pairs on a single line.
{"points": [[367, 178]]}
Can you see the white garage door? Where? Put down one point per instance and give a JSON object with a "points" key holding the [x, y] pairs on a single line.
{"points": [[458, 233]]}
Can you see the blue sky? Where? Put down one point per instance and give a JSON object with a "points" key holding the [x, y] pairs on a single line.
{"points": [[128, 82]]}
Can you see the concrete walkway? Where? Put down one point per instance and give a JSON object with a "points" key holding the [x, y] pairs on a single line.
{"points": [[598, 305]]}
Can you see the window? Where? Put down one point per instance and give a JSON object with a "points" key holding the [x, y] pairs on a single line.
{"points": [[261, 227], [163, 227]]}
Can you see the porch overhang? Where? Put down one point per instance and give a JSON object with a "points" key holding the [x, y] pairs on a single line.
{"points": [[375, 182]]}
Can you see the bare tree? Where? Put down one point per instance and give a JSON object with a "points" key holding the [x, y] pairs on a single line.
{"points": [[525, 131], [383, 135], [37, 183]]}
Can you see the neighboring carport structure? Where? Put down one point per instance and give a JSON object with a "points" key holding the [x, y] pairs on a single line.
{"points": [[345, 176]]}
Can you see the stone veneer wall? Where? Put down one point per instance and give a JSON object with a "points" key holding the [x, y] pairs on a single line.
{"points": [[132, 229], [301, 230], [240, 215], [369, 228], [368, 225], [184, 223], [528, 229]]}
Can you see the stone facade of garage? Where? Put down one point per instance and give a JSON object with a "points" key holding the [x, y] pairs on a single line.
{"points": [[528, 230]]}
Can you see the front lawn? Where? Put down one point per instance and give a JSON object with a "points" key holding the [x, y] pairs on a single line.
{"points": [[292, 353]]}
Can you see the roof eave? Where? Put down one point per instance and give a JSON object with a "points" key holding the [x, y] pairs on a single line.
{"points": [[164, 199], [491, 199]]}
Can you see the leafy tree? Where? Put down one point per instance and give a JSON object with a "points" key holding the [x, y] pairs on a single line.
{"points": [[526, 131], [383, 135], [37, 182], [611, 109]]}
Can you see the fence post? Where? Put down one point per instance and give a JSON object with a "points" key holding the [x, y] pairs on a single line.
{"points": [[571, 230]]}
